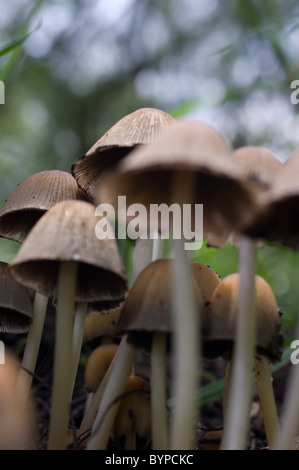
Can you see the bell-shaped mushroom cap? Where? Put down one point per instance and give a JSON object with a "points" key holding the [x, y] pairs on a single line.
{"points": [[185, 149], [134, 412], [220, 317], [261, 166], [148, 306], [279, 221], [97, 365], [140, 127], [15, 304], [31, 198], [66, 232]]}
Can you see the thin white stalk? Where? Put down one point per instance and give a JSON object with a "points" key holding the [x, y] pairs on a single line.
{"points": [[158, 392], [158, 247], [226, 388], [267, 399], [78, 331], [121, 370], [62, 378], [186, 353], [32, 346], [237, 417], [290, 413]]}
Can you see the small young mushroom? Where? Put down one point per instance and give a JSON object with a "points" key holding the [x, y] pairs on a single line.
{"points": [[219, 329], [133, 418], [62, 257], [97, 365]]}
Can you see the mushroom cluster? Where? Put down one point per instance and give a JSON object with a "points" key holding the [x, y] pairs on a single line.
{"points": [[175, 312]]}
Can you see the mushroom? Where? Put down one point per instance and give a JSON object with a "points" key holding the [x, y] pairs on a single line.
{"points": [[62, 257], [278, 222], [133, 418], [189, 163], [260, 166], [101, 326], [219, 333], [138, 127], [23, 208], [97, 365]]}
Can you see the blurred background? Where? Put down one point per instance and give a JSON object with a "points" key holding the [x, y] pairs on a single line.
{"points": [[72, 68]]}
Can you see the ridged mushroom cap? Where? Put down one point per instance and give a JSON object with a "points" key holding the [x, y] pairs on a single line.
{"points": [[31, 198], [185, 149], [261, 166], [279, 221], [220, 317], [139, 127], [15, 304], [66, 232], [148, 306]]}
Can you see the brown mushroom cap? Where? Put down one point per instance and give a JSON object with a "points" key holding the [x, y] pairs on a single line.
{"points": [[148, 306], [279, 221], [66, 232], [98, 324], [139, 127], [97, 365], [185, 148], [15, 304], [261, 166], [220, 316], [134, 412], [206, 279], [31, 198]]}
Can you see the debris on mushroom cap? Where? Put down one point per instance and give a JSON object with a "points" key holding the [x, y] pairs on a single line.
{"points": [[134, 413], [185, 148], [31, 198], [15, 304], [207, 280], [17, 428], [66, 232], [138, 127], [148, 306], [261, 166], [97, 365], [279, 221], [220, 316]]}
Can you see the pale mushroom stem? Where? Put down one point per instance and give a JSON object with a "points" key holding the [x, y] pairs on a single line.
{"points": [[235, 433], [186, 353], [226, 388], [158, 392], [130, 440], [78, 331], [284, 438], [62, 375], [31, 350], [119, 371], [143, 255], [266, 397]]}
